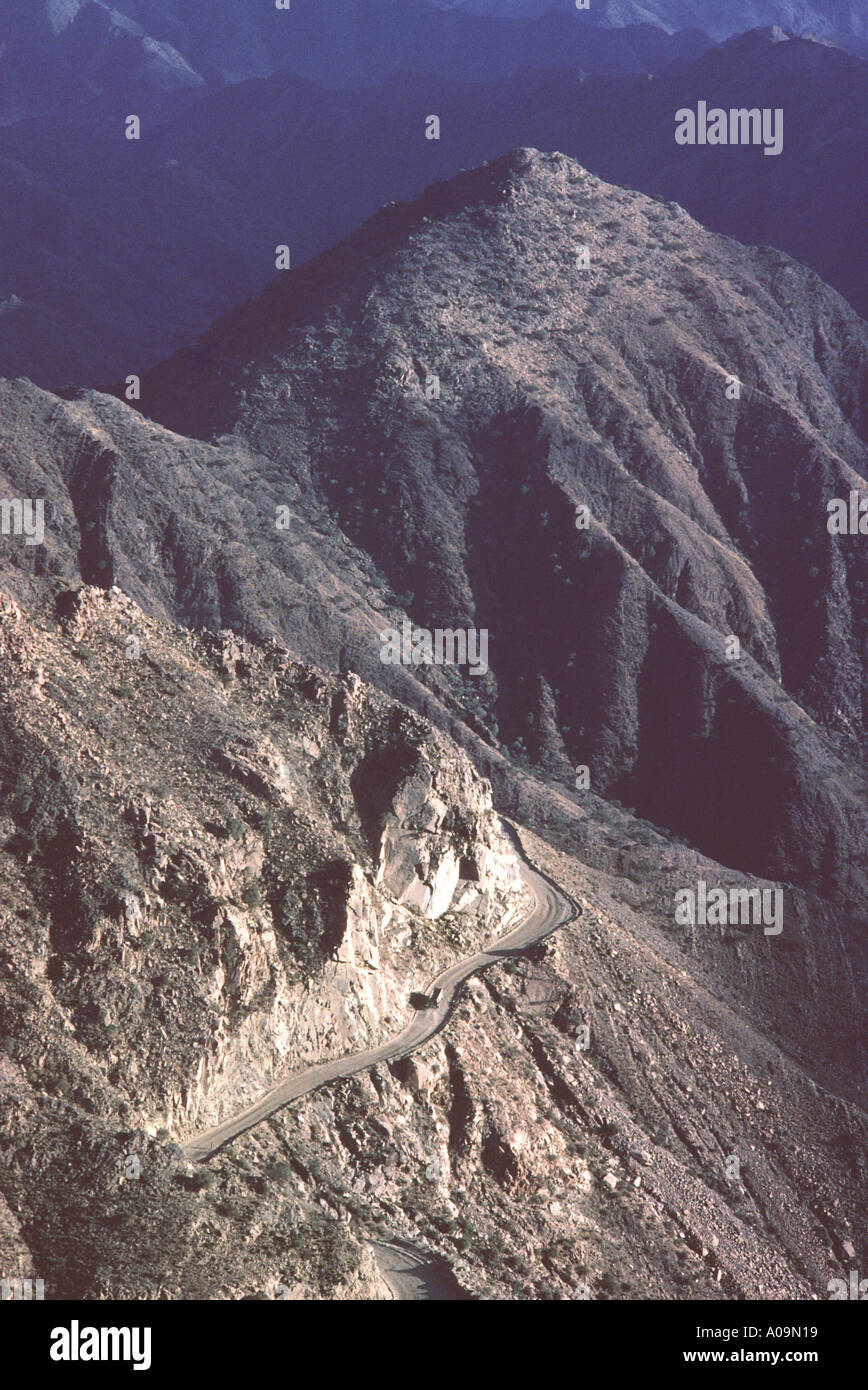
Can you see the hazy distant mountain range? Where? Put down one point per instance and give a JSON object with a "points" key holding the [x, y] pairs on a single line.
{"points": [[150, 50], [719, 18]]}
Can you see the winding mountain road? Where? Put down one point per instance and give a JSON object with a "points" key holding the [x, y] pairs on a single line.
{"points": [[551, 910]]}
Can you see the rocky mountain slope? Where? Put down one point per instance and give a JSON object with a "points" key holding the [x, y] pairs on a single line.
{"points": [[563, 387], [535, 1161], [235, 839], [597, 1122], [576, 387], [217, 864], [207, 852]]}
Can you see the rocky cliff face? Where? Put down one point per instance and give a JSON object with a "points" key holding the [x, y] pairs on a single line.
{"points": [[595, 1125], [219, 864], [224, 864]]}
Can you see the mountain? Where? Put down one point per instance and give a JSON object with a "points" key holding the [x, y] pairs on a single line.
{"points": [[567, 379], [146, 51], [61, 51], [109, 250], [235, 839], [116, 253], [361, 41], [560, 387], [836, 19]]}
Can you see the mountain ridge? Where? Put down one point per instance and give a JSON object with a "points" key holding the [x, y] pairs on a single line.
{"points": [[89, 307]]}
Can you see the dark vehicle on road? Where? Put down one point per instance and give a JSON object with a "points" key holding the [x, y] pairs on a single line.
{"points": [[424, 1001]]}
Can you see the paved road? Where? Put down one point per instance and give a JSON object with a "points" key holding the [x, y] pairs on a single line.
{"points": [[413, 1277], [551, 909]]}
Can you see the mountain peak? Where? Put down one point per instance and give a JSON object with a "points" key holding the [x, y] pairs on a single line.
{"points": [[534, 174]]}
